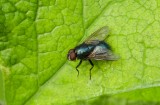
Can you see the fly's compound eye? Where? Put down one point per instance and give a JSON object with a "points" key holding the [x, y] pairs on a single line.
{"points": [[71, 55]]}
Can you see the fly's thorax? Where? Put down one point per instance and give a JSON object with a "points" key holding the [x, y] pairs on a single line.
{"points": [[83, 50]]}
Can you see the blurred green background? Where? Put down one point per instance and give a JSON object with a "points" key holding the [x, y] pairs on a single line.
{"points": [[36, 35]]}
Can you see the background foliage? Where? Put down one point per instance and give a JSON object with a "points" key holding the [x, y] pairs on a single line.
{"points": [[35, 36]]}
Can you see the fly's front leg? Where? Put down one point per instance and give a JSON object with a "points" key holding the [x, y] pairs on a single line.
{"points": [[78, 66], [91, 67]]}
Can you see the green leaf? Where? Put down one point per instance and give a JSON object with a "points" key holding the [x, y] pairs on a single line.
{"points": [[35, 36]]}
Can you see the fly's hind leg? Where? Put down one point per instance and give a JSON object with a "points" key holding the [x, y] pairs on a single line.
{"points": [[91, 67], [78, 66]]}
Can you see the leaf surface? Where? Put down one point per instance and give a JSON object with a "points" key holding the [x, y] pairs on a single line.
{"points": [[35, 36]]}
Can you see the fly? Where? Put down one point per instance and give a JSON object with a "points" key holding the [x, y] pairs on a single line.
{"points": [[93, 48]]}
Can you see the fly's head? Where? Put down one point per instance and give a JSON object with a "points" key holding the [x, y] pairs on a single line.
{"points": [[71, 55]]}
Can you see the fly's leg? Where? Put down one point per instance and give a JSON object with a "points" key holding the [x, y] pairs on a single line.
{"points": [[91, 67], [78, 66]]}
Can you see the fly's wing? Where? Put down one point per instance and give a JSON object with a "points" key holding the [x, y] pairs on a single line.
{"points": [[100, 53], [97, 36]]}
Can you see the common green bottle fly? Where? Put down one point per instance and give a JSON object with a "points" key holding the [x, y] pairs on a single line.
{"points": [[93, 48]]}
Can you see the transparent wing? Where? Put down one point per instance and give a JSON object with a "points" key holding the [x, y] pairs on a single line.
{"points": [[99, 35], [103, 54]]}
